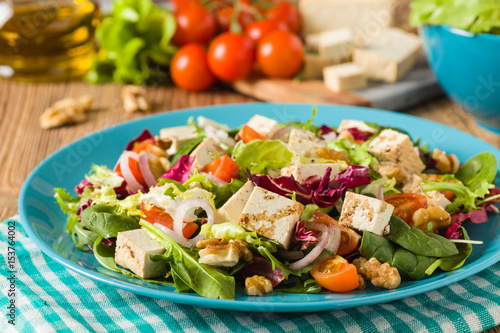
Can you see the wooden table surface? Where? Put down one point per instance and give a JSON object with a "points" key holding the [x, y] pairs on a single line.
{"points": [[25, 144]]}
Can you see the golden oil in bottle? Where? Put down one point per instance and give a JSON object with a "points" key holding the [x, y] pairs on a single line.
{"points": [[46, 40]]}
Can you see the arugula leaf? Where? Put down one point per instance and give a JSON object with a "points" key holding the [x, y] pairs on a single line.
{"points": [[69, 205], [188, 273], [296, 285], [105, 255], [418, 241], [259, 156], [105, 221], [82, 237]]}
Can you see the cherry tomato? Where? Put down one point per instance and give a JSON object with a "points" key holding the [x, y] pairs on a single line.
{"points": [[231, 56], [280, 54], [349, 239], [335, 274], [256, 30], [286, 12], [405, 204], [224, 168], [158, 215], [248, 134], [142, 146], [189, 68], [177, 5], [194, 25]]}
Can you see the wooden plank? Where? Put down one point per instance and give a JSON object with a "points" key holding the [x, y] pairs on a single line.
{"points": [[309, 91]]}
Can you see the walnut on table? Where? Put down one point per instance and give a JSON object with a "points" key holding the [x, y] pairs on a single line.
{"points": [[66, 111], [258, 286], [380, 275], [134, 99], [433, 214]]}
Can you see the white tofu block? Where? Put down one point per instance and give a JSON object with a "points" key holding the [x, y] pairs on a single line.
{"points": [[133, 248], [361, 212], [344, 77], [398, 148], [389, 56], [336, 44], [434, 198], [363, 16], [304, 143], [347, 124], [263, 125], [314, 64], [207, 151], [303, 171], [180, 135], [271, 215], [231, 210], [312, 41]]}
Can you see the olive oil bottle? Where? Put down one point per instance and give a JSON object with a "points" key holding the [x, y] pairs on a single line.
{"points": [[46, 40]]}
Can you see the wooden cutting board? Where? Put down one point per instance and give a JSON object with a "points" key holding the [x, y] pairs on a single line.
{"points": [[417, 87]]}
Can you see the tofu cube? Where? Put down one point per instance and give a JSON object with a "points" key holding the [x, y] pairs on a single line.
{"points": [[232, 209], [133, 248], [389, 56], [434, 198], [314, 64], [361, 212], [271, 215], [303, 171], [344, 77], [304, 143], [179, 135], [398, 148], [263, 125], [336, 44], [347, 124], [207, 151], [312, 41]]}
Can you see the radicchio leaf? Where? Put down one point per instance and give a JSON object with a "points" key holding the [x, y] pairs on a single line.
{"points": [[452, 231], [146, 134], [304, 236], [325, 130], [261, 266], [181, 170], [80, 187], [475, 216], [359, 134]]}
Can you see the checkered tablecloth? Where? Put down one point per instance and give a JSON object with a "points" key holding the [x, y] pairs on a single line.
{"points": [[50, 298]]}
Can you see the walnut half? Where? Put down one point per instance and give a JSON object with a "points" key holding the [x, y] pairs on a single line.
{"points": [[433, 214], [258, 286], [380, 275], [66, 111], [134, 99]]}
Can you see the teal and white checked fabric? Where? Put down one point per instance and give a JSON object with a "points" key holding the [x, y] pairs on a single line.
{"points": [[50, 298]]}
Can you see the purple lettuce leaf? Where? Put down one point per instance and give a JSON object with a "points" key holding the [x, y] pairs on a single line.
{"points": [[452, 231], [80, 187], [146, 134], [261, 266], [359, 134], [304, 236], [181, 170], [325, 130]]}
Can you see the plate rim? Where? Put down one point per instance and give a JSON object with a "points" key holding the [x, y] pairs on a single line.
{"points": [[239, 305]]}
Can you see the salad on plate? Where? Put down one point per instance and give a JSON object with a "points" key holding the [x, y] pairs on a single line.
{"points": [[273, 207]]}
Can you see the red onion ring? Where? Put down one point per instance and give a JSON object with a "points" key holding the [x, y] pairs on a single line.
{"points": [[146, 170], [325, 234], [291, 255], [175, 237], [217, 181], [380, 192], [133, 184], [333, 246], [183, 209]]}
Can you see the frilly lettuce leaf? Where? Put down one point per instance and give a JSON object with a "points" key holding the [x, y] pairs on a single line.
{"points": [[261, 155]]}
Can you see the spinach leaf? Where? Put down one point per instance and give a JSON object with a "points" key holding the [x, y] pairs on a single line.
{"points": [[407, 263], [456, 261], [478, 172], [418, 241], [106, 221], [188, 273], [82, 237], [296, 285], [105, 255]]}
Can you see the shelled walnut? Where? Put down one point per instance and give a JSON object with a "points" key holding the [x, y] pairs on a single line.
{"points": [[134, 99], [445, 163], [390, 170], [380, 275], [258, 286], [346, 135], [331, 154], [66, 111], [433, 214]]}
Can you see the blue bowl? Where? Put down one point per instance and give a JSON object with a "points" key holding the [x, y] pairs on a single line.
{"points": [[467, 67]]}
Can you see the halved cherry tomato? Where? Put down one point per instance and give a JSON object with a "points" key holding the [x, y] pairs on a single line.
{"points": [[349, 239], [224, 168], [158, 215], [405, 204], [248, 134], [335, 274], [142, 146], [134, 168]]}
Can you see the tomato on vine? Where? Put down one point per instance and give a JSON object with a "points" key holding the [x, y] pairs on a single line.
{"points": [[189, 68], [194, 25], [286, 12], [256, 30], [280, 54]]}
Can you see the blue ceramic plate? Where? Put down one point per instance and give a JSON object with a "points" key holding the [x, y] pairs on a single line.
{"points": [[45, 223]]}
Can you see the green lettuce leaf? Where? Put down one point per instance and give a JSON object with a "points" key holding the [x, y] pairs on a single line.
{"points": [[261, 155], [357, 154], [69, 205]]}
